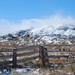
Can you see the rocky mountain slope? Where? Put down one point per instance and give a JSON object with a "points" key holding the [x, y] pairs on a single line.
{"points": [[65, 31], [64, 34]]}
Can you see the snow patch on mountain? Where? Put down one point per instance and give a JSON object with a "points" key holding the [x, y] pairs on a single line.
{"points": [[67, 31], [41, 35]]}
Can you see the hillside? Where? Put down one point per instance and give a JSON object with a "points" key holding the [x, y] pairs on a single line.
{"points": [[44, 35]]}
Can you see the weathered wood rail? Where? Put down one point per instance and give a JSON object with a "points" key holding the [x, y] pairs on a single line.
{"points": [[18, 55], [15, 56], [56, 56]]}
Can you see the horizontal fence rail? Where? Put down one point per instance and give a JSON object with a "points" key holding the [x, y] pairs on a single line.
{"points": [[59, 51], [27, 53], [20, 55], [56, 56], [6, 56], [6, 50], [26, 59]]}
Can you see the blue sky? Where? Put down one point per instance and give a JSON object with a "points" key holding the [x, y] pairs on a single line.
{"points": [[27, 9], [20, 14]]}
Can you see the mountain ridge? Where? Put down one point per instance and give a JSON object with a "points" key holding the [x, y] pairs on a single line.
{"points": [[41, 35]]}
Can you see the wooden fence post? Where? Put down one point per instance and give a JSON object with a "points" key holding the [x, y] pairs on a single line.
{"points": [[41, 56], [14, 58], [46, 56]]}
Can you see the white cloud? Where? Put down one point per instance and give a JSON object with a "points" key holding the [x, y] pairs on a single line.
{"points": [[55, 21]]}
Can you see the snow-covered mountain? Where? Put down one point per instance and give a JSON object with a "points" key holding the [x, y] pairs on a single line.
{"points": [[41, 35], [65, 31], [42, 30]]}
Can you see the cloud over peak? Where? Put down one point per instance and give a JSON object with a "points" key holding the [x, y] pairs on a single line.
{"points": [[55, 21]]}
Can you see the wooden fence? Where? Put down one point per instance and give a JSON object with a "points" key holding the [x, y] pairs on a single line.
{"points": [[56, 56], [16, 56]]}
